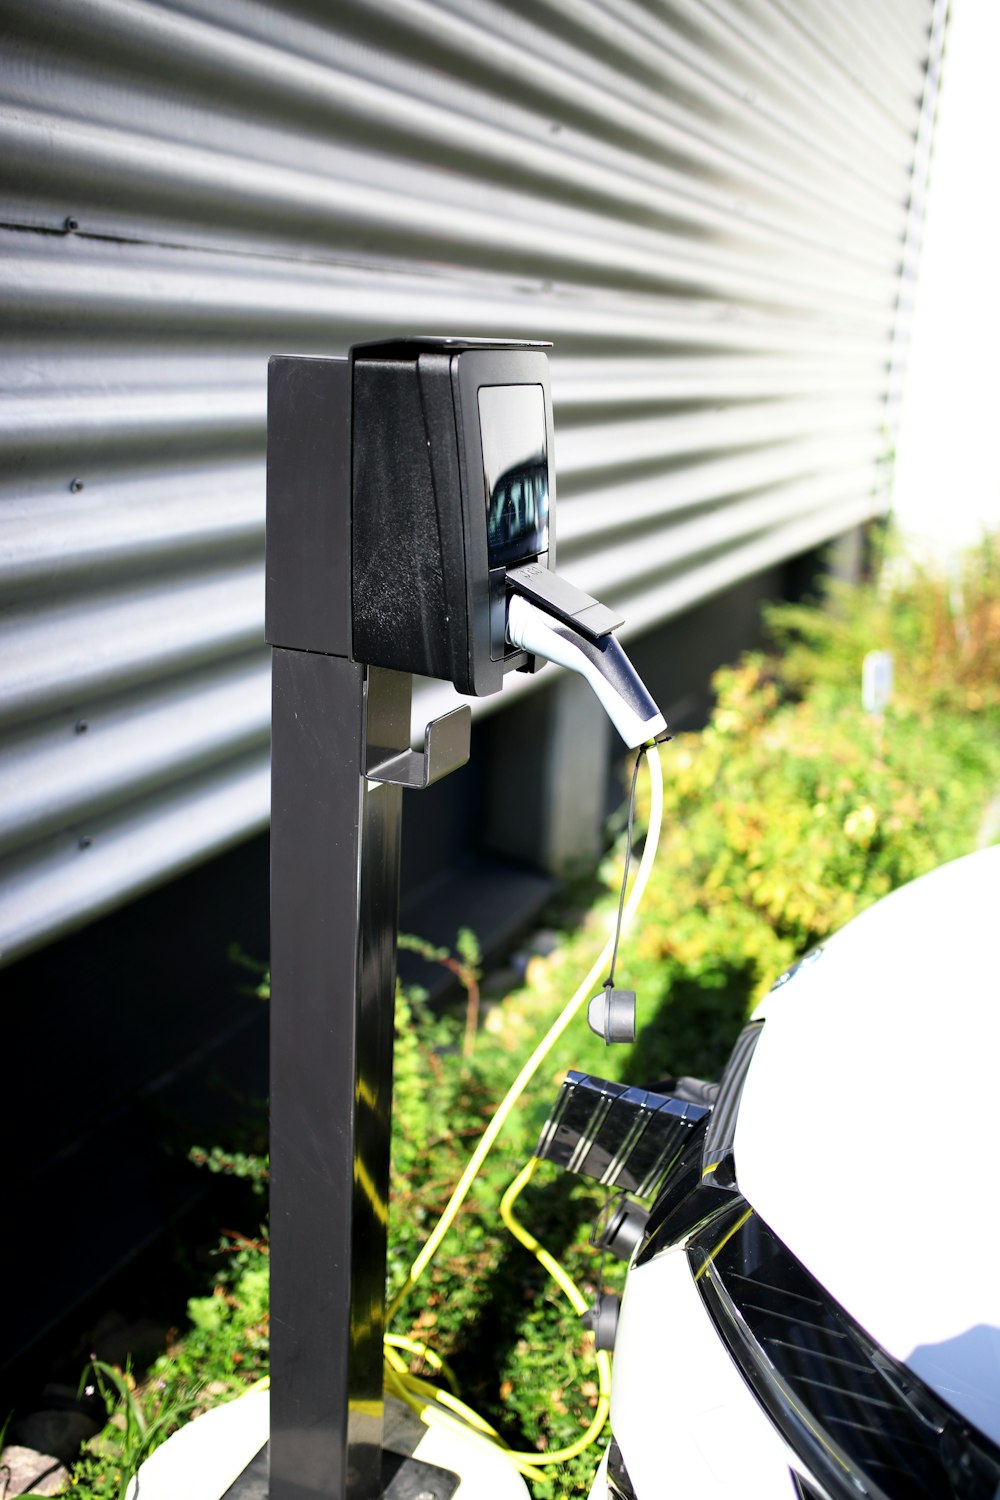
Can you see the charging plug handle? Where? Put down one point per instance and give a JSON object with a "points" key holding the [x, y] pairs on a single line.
{"points": [[602, 662], [587, 616]]}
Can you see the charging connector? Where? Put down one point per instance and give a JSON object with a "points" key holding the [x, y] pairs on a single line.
{"points": [[602, 662]]}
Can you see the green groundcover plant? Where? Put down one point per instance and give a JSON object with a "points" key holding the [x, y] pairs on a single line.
{"points": [[789, 813]]}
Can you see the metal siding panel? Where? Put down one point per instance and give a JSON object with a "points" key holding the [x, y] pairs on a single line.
{"points": [[134, 297], [284, 89], [707, 208], [74, 876], [55, 776], [320, 212], [63, 653]]}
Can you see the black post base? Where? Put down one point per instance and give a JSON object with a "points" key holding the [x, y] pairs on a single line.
{"points": [[403, 1478]]}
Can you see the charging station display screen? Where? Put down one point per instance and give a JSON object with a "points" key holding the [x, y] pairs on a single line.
{"points": [[516, 470]]}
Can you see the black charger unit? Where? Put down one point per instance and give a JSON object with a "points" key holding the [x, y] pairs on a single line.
{"points": [[453, 485]]}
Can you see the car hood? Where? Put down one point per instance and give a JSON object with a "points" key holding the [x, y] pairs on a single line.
{"points": [[868, 1127]]}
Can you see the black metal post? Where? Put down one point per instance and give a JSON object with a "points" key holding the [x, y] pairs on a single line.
{"points": [[340, 756], [334, 881], [334, 895]]}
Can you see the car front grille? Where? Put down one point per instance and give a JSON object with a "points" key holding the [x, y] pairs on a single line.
{"points": [[861, 1422]]}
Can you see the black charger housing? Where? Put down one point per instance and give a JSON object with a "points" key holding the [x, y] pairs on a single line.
{"points": [[452, 483]]}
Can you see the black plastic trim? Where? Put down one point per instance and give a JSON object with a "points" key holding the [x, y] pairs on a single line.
{"points": [[685, 1204], [620, 1486], [861, 1422], [718, 1158], [621, 1136]]}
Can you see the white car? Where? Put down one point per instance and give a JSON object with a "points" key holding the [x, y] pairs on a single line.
{"points": [[813, 1308]]}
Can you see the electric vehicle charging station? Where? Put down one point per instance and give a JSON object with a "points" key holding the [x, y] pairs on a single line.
{"points": [[411, 528]]}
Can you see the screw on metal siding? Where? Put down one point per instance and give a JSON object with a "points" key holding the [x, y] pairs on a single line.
{"points": [[69, 223], [75, 486], [84, 842], [81, 726]]}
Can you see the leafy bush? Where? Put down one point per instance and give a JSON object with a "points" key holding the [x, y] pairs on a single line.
{"points": [[224, 1350], [792, 811], [139, 1420]]}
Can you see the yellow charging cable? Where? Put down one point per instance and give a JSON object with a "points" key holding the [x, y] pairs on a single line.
{"points": [[578, 1303], [549, 1040], [443, 1408]]}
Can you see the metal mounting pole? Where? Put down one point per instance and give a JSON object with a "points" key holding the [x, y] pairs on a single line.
{"points": [[335, 875], [340, 756]]}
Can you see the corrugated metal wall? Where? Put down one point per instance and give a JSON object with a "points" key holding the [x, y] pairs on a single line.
{"points": [[706, 205]]}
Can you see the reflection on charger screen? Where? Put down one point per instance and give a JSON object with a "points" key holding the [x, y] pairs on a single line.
{"points": [[516, 470]]}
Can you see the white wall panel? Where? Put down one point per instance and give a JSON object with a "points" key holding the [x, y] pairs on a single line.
{"points": [[708, 207]]}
